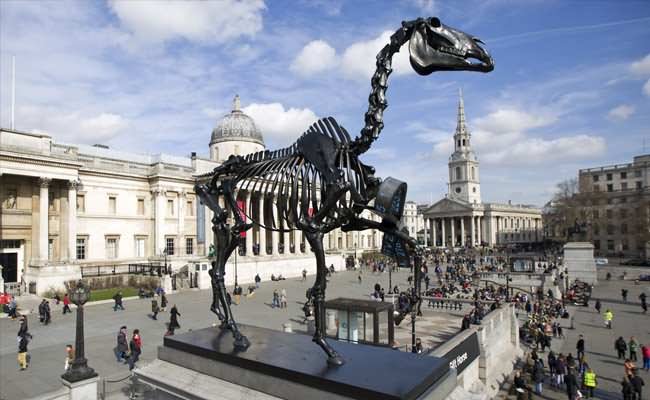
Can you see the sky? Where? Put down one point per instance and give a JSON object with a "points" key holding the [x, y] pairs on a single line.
{"points": [[570, 89]]}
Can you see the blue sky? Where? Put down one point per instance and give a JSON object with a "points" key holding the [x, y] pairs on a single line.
{"points": [[571, 88]]}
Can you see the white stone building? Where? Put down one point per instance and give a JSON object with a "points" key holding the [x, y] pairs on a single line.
{"points": [[66, 207], [461, 219]]}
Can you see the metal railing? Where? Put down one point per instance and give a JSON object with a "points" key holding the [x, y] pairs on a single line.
{"points": [[153, 269]]}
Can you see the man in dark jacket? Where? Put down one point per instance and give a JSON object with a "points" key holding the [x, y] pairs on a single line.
{"points": [[135, 347], [118, 301], [571, 384], [22, 351], [621, 347], [122, 345], [580, 348], [637, 384]]}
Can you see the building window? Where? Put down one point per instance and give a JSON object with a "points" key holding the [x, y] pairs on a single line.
{"points": [[623, 185], [596, 213], [609, 177], [140, 206], [610, 245], [111, 248], [610, 229], [458, 142], [596, 188], [625, 244], [597, 244], [610, 213], [459, 175], [463, 142], [140, 247], [623, 213], [169, 246], [610, 187], [189, 246], [639, 184], [596, 229], [623, 175], [81, 248], [189, 211], [623, 200], [458, 190], [170, 208], [50, 199], [624, 228], [595, 178], [81, 203], [50, 249], [473, 174], [112, 204], [637, 173]]}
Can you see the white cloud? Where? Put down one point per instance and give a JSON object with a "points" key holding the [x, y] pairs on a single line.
{"points": [[382, 153], [513, 120], [358, 60], [538, 150], [426, 6], [276, 122], [646, 88], [642, 66], [316, 56], [204, 21], [621, 113], [72, 127]]}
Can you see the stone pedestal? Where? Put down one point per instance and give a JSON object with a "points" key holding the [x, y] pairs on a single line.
{"points": [[579, 262], [289, 366], [82, 390]]}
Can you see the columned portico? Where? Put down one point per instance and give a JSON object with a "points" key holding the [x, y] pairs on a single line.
{"points": [[262, 231], [71, 221], [249, 234], [462, 231]]}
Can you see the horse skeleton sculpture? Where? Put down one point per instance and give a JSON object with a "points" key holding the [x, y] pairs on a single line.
{"points": [[320, 182]]}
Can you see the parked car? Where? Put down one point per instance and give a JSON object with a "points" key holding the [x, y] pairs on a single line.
{"points": [[601, 261], [644, 277], [637, 262]]}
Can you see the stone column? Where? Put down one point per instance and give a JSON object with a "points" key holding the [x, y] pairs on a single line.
{"points": [[275, 235], [462, 231], [426, 231], [453, 231], [72, 220], [434, 228], [472, 230], [182, 196], [262, 232], [443, 238], [249, 233], [43, 214], [159, 220], [480, 228]]}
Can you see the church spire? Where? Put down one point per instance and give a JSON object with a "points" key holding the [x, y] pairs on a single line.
{"points": [[461, 126]]}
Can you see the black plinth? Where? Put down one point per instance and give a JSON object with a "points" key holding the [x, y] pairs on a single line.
{"points": [[369, 372]]}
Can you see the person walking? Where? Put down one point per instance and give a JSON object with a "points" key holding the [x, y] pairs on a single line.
{"points": [[41, 311], [589, 381], [598, 306], [304, 275], [637, 384], [644, 304], [624, 295], [66, 304], [571, 384], [237, 291], [23, 341], [645, 353], [633, 346], [23, 329], [135, 348], [629, 367], [69, 357], [173, 321], [276, 299], [538, 377], [154, 309], [163, 302], [283, 298], [117, 298], [257, 281], [122, 345], [580, 348], [520, 386], [621, 347], [608, 316], [626, 388]]}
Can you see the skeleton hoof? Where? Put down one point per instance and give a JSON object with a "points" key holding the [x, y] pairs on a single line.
{"points": [[242, 343], [335, 361]]}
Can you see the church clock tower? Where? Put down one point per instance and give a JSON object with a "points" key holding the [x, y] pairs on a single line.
{"points": [[463, 165]]}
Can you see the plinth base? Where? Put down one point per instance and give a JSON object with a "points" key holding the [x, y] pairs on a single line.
{"points": [[290, 366]]}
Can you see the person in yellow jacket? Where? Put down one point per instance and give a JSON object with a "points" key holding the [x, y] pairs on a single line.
{"points": [[589, 382], [608, 316]]}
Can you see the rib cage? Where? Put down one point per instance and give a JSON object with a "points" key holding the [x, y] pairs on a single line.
{"points": [[295, 180]]}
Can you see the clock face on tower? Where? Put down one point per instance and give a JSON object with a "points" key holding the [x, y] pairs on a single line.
{"points": [[458, 190]]}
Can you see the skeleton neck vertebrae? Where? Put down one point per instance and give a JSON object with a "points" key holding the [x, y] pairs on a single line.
{"points": [[379, 82]]}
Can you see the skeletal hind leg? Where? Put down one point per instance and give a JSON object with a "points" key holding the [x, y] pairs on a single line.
{"points": [[241, 341], [214, 307], [315, 239]]}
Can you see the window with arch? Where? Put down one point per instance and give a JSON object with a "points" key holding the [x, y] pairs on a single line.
{"points": [[458, 142], [459, 174], [473, 174], [463, 142]]}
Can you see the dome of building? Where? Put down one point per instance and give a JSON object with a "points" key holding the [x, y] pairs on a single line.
{"points": [[236, 126]]}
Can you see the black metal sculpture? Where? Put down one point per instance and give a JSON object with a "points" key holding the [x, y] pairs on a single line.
{"points": [[320, 181]]}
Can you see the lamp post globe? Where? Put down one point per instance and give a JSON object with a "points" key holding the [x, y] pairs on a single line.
{"points": [[79, 369]]}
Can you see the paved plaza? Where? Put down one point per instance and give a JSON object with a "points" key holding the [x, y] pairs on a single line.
{"points": [[102, 324]]}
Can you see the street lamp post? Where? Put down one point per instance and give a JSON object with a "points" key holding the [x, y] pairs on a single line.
{"points": [[79, 370]]}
